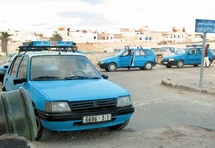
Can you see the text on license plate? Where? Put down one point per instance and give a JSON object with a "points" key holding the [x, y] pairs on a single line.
{"points": [[96, 118]]}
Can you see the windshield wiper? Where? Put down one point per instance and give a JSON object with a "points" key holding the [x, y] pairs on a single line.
{"points": [[75, 77], [46, 78], [94, 77]]}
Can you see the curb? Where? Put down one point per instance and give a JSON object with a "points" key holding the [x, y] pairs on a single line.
{"points": [[189, 88]]}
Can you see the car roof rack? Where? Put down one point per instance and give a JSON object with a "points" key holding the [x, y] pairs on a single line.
{"points": [[47, 46], [133, 47], [194, 45]]}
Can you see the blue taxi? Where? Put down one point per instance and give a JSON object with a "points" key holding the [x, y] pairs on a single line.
{"points": [[66, 89], [135, 57], [186, 56]]}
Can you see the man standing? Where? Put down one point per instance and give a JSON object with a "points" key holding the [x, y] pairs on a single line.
{"points": [[206, 60]]}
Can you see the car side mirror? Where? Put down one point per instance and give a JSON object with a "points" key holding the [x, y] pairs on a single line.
{"points": [[105, 76], [6, 66], [19, 80]]}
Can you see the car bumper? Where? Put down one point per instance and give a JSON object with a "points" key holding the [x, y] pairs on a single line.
{"points": [[169, 63], [103, 66], [77, 125], [74, 122]]}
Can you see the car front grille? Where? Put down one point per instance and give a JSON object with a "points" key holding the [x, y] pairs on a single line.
{"points": [[93, 105]]}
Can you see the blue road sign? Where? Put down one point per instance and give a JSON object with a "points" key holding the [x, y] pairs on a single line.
{"points": [[205, 26]]}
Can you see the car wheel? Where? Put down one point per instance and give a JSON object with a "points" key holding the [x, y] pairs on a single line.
{"points": [[119, 126], [43, 133], [111, 67], [148, 66], [180, 64], [195, 65], [168, 66]]}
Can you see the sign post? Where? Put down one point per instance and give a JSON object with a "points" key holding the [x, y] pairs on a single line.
{"points": [[202, 61], [204, 26]]}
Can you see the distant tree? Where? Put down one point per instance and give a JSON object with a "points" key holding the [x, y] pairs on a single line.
{"points": [[56, 37], [4, 37]]}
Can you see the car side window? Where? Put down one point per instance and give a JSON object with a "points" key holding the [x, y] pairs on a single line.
{"points": [[140, 53], [192, 51], [198, 51], [172, 50], [23, 68], [13, 69], [147, 53], [126, 53]]}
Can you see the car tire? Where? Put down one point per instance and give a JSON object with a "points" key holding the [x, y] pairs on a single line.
{"points": [[180, 64], [111, 67], [195, 65], [119, 126], [43, 133], [148, 66], [168, 66]]}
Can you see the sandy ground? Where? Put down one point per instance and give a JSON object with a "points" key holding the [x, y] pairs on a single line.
{"points": [[164, 117]]}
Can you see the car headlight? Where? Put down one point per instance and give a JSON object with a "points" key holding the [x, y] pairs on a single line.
{"points": [[171, 59], [57, 107], [124, 101]]}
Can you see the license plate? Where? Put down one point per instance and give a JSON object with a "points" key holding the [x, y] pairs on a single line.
{"points": [[96, 118], [165, 62]]}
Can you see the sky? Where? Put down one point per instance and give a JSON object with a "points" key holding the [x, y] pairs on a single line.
{"points": [[158, 15]]}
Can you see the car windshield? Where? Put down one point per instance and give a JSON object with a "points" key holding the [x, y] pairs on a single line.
{"points": [[62, 67], [181, 51], [11, 57], [119, 53], [164, 49]]}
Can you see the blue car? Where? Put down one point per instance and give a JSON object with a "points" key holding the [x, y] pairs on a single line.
{"points": [[187, 56], [143, 58], [3, 68], [67, 91]]}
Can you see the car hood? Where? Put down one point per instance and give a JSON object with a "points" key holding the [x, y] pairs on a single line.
{"points": [[75, 90], [173, 56], [107, 59]]}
